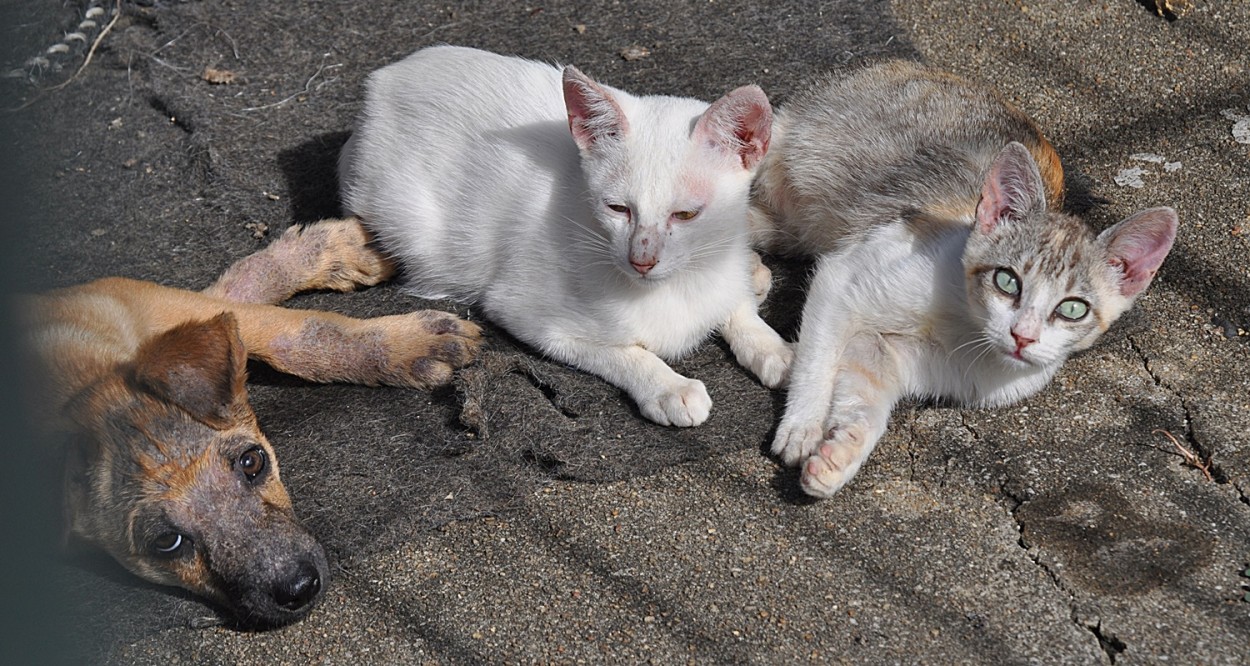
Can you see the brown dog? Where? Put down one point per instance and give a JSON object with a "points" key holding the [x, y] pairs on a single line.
{"points": [[167, 469]]}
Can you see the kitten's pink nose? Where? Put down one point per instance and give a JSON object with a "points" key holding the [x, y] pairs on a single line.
{"points": [[1022, 341], [644, 266]]}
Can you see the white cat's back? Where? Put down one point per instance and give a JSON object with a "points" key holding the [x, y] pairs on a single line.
{"points": [[443, 156]]}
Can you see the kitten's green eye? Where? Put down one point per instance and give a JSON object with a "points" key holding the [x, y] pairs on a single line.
{"points": [[619, 208], [685, 215], [1007, 282], [1073, 309]]}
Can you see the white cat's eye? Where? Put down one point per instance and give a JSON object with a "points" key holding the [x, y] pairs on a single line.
{"points": [[1007, 282], [619, 208], [685, 215], [1072, 309]]}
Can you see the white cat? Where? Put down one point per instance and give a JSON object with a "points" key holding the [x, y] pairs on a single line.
{"points": [[605, 229], [948, 271]]}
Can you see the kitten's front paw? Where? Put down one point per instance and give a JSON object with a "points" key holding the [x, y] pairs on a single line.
{"points": [[685, 404], [796, 441], [834, 463]]}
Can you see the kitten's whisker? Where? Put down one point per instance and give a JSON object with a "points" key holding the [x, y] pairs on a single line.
{"points": [[989, 346], [980, 338]]}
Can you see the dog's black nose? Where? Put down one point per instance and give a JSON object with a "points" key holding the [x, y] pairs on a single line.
{"points": [[297, 592]]}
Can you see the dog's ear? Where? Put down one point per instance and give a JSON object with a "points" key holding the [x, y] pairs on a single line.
{"points": [[198, 366]]}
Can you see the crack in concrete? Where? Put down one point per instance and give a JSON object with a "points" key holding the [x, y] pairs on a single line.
{"points": [[1110, 645], [1190, 435], [963, 420]]}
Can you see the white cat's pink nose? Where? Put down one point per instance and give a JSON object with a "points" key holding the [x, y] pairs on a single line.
{"points": [[644, 266]]}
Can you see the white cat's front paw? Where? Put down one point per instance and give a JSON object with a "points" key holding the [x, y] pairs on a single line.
{"points": [[796, 441], [772, 366], [761, 279], [834, 463], [684, 404], [767, 357]]}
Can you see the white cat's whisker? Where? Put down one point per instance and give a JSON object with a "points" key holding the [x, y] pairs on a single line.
{"points": [[589, 244], [589, 234], [717, 247]]}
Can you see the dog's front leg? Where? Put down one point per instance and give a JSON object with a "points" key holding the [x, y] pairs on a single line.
{"points": [[418, 349]]}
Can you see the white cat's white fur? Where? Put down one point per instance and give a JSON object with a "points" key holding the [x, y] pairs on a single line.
{"points": [[554, 203]]}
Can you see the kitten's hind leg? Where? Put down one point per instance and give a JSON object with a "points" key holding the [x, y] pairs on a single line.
{"points": [[757, 346], [332, 254], [864, 395], [662, 395]]}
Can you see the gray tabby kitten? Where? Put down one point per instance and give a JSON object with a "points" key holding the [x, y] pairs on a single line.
{"points": [[947, 270]]}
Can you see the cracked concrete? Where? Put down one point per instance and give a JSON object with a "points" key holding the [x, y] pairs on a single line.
{"points": [[528, 513]]}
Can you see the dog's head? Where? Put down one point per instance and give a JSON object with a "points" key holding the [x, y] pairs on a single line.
{"points": [[172, 476]]}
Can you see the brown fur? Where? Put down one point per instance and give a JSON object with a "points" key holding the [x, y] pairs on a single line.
{"points": [[149, 382], [1051, 169]]}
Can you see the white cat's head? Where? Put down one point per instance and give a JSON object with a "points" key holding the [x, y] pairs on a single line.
{"points": [[1041, 283], [668, 177]]}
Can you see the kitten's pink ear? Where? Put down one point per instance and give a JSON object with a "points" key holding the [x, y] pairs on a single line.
{"points": [[740, 123], [593, 115], [1012, 189], [1138, 245]]}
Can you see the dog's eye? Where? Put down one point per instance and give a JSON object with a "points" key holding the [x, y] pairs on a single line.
{"points": [[170, 544], [252, 462]]}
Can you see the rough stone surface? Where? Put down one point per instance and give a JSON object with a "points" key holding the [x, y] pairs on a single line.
{"points": [[528, 513]]}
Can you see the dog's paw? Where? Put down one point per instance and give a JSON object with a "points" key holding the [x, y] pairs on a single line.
{"points": [[685, 404], [427, 346], [333, 254]]}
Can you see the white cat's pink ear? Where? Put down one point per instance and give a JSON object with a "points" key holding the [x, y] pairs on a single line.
{"points": [[593, 115], [1012, 189], [740, 123], [1138, 245]]}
